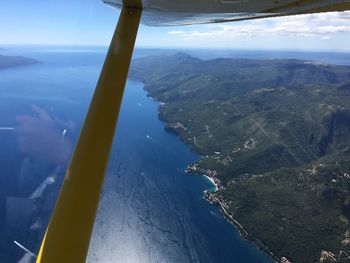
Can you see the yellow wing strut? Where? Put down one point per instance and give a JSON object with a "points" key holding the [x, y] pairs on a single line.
{"points": [[68, 234]]}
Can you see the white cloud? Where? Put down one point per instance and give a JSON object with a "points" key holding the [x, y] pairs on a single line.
{"points": [[322, 26], [177, 32]]}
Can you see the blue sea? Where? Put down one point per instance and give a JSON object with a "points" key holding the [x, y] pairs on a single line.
{"points": [[150, 209]]}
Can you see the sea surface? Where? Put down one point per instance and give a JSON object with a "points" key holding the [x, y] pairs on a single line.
{"points": [[150, 209]]}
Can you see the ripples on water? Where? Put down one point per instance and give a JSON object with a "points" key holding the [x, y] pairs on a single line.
{"points": [[150, 210]]}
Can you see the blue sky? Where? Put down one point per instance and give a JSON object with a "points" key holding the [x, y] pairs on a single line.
{"points": [[89, 22]]}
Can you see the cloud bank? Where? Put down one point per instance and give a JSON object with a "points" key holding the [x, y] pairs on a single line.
{"points": [[322, 26]]}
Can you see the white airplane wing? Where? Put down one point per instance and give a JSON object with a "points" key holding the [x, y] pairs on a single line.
{"points": [[187, 12]]}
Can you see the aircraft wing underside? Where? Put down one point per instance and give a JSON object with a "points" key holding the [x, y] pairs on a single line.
{"points": [[187, 12]]}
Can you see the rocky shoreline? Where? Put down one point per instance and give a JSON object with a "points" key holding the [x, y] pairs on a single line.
{"points": [[214, 198], [219, 201]]}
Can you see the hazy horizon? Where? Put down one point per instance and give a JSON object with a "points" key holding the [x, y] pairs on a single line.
{"points": [[8, 47], [90, 22]]}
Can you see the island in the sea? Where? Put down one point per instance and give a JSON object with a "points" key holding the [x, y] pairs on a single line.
{"points": [[14, 61], [275, 138]]}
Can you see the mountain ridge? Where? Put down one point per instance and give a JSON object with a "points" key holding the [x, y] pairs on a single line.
{"points": [[257, 122]]}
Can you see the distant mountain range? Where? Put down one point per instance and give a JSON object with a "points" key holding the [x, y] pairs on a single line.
{"points": [[14, 61], [275, 136]]}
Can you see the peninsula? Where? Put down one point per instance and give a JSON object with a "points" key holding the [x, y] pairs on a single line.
{"points": [[14, 61]]}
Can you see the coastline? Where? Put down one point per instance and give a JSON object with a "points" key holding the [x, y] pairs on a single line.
{"points": [[242, 231], [210, 175], [213, 182], [214, 198], [249, 138]]}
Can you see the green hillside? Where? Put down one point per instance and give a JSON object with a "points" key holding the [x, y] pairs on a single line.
{"points": [[275, 135]]}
